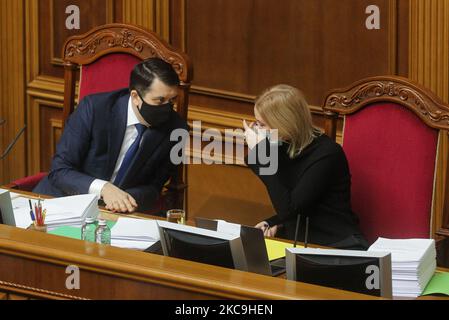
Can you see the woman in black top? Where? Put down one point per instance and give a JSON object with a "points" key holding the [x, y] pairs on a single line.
{"points": [[312, 178]]}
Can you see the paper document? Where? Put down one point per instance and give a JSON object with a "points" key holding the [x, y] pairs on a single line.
{"points": [[413, 263], [130, 228], [276, 249], [71, 210], [228, 228]]}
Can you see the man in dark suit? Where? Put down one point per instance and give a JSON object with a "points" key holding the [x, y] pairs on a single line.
{"points": [[117, 144]]}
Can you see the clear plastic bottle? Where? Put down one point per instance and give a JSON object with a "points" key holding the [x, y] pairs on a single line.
{"points": [[103, 233], [88, 230]]}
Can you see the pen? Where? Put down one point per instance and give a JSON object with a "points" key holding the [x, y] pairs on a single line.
{"points": [[36, 213], [40, 212], [40, 215], [31, 211]]}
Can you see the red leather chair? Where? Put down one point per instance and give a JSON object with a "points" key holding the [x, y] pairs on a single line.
{"points": [[105, 57], [391, 134]]}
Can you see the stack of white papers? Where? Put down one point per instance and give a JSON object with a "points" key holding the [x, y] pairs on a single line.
{"points": [[413, 263], [134, 233], [64, 211]]}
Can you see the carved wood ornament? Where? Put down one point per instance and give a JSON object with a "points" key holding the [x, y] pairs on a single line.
{"points": [[115, 38], [393, 89]]}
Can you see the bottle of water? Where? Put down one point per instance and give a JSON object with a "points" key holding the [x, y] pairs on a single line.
{"points": [[88, 230], [103, 233]]}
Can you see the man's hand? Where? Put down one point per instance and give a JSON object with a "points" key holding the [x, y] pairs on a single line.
{"points": [[267, 230], [117, 200]]}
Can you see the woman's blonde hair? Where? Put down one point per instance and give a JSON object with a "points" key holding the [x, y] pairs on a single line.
{"points": [[284, 107]]}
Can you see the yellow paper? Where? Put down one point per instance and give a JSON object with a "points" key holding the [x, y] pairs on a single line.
{"points": [[276, 249]]}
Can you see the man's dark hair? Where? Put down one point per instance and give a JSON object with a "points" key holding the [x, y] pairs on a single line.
{"points": [[144, 73]]}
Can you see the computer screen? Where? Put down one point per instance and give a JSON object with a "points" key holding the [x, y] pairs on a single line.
{"points": [[356, 271], [198, 248], [200, 245]]}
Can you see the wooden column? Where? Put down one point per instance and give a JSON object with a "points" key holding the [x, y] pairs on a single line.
{"points": [[429, 45], [429, 65], [151, 14], [12, 87]]}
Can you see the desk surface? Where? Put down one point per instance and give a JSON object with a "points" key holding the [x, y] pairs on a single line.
{"points": [[40, 263]]}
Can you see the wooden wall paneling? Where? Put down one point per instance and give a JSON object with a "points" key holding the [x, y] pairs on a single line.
{"points": [[51, 129], [228, 192], [150, 14], [233, 57], [429, 45], [429, 65], [57, 17], [44, 91], [12, 88], [163, 19], [45, 114], [140, 12], [402, 36], [55, 133], [32, 40], [53, 32], [250, 44]]}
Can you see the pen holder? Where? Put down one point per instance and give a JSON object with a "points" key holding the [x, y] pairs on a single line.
{"points": [[38, 228]]}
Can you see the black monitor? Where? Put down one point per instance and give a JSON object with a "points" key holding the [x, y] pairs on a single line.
{"points": [[254, 246], [358, 271], [6, 209], [200, 245]]}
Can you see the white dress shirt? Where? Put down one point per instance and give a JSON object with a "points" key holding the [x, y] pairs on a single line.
{"points": [[130, 136]]}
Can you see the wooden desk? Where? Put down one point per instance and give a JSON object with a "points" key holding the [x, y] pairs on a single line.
{"points": [[33, 264]]}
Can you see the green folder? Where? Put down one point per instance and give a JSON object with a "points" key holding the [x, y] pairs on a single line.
{"points": [[439, 284], [74, 232]]}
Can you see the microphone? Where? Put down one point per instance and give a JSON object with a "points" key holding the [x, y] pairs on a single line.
{"points": [[11, 145], [306, 237]]}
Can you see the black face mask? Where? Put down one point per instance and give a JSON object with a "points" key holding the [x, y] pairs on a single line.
{"points": [[155, 115]]}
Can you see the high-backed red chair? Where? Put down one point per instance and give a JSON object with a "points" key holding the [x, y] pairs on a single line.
{"points": [[105, 57], [391, 133]]}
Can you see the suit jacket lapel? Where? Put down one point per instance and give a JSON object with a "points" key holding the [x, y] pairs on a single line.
{"points": [[117, 127]]}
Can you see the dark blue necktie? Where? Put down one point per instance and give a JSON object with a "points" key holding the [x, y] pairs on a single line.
{"points": [[129, 156]]}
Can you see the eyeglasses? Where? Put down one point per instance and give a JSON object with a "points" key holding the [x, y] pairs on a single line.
{"points": [[260, 124]]}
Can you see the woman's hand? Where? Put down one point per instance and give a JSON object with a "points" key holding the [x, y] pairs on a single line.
{"points": [[252, 137], [267, 230]]}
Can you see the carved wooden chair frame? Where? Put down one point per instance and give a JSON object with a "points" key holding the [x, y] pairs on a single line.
{"points": [[143, 44], [422, 102]]}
